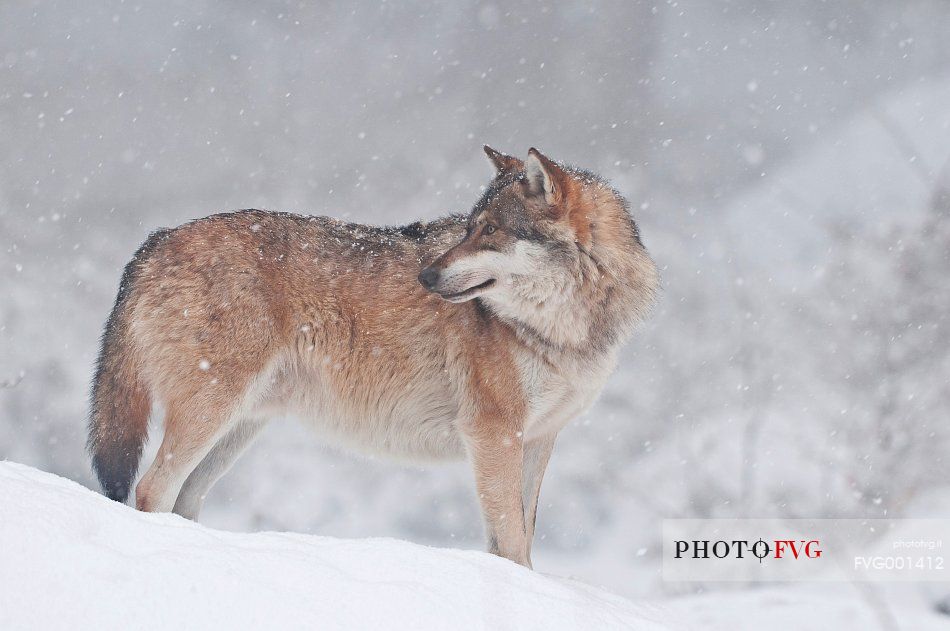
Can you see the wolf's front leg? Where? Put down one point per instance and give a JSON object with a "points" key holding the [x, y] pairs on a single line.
{"points": [[497, 452], [536, 456]]}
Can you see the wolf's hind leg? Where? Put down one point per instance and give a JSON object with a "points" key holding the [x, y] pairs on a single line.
{"points": [[536, 456], [214, 465], [191, 431]]}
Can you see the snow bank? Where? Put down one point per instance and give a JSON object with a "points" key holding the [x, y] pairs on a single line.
{"points": [[73, 559], [70, 558]]}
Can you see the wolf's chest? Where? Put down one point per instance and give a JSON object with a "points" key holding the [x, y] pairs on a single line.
{"points": [[559, 392]]}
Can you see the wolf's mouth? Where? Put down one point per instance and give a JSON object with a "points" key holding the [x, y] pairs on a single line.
{"points": [[471, 291]]}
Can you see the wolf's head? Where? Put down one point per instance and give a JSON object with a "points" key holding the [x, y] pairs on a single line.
{"points": [[538, 246], [526, 227]]}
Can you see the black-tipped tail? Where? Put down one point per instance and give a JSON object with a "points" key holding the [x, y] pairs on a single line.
{"points": [[121, 403]]}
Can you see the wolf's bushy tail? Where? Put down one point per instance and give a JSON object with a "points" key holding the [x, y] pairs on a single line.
{"points": [[121, 402]]}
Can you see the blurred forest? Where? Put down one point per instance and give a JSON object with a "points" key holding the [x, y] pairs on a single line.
{"points": [[788, 165]]}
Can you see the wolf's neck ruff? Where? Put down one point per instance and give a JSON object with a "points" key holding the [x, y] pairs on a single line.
{"points": [[587, 298]]}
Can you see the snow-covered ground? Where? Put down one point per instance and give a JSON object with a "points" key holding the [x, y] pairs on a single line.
{"points": [[71, 559], [74, 559]]}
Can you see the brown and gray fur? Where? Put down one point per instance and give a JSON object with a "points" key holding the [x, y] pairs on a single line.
{"points": [[510, 331]]}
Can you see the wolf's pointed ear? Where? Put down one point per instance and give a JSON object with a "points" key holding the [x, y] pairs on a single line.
{"points": [[545, 177], [503, 163]]}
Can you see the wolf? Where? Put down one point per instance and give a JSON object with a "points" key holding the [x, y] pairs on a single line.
{"points": [[477, 336]]}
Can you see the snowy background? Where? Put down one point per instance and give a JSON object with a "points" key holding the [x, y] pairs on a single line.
{"points": [[788, 163]]}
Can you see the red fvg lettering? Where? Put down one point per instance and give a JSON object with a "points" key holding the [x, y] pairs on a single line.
{"points": [[797, 548]]}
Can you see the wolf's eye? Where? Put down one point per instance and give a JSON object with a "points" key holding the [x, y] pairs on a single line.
{"points": [[489, 228]]}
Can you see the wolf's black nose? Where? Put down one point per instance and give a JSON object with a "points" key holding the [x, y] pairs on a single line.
{"points": [[429, 277]]}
